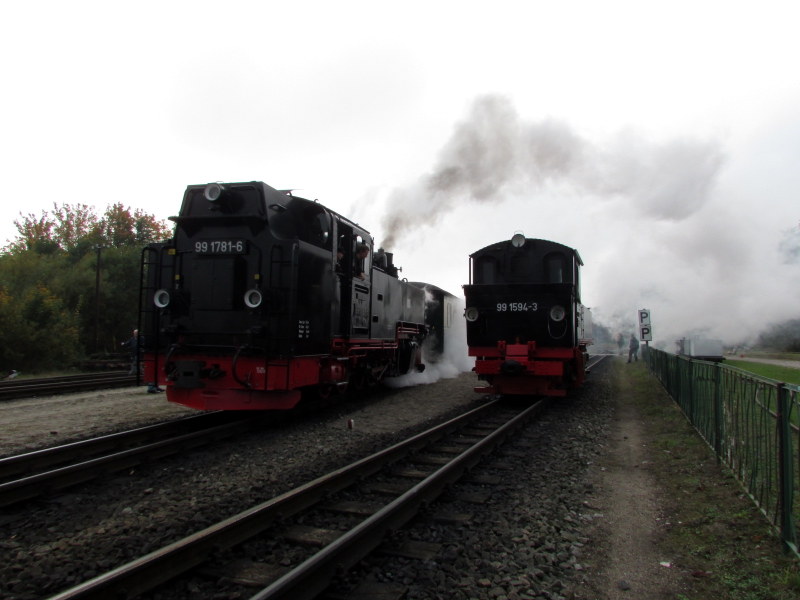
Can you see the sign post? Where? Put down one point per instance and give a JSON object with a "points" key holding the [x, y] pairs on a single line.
{"points": [[645, 327]]}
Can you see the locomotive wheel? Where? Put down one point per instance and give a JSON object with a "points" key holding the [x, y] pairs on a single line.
{"points": [[359, 381], [325, 391], [318, 393]]}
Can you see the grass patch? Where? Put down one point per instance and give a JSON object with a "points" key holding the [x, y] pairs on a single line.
{"points": [[776, 372], [715, 536], [777, 355]]}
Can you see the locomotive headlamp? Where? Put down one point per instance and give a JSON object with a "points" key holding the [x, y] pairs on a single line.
{"points": [[161, 298], [518, 239], [557, 313], [253, 298], [471, 314], [213, 191]]}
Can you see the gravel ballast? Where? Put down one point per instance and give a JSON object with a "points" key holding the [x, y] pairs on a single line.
{"points": [[527, 540]]}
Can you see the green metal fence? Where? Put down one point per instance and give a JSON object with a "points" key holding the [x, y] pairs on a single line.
{"points": [[751, 423]]}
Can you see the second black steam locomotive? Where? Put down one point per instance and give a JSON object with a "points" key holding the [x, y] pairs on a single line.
{"points": [[261, 296], [526, 326]]}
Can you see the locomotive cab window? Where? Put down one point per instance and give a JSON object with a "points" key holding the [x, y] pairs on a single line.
{"points": [[520, 267], [485, 270], [555, 268], [316, 227]]}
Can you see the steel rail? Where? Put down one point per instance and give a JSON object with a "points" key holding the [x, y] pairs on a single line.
{"points": [[64, 378], [11, 390], [595, 360], [45, 458], [32, 486], [157, 567], [311, 577]]}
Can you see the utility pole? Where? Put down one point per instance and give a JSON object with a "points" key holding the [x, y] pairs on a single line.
{"points": [[98, 248]]}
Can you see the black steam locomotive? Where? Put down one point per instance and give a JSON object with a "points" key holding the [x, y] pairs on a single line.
{"points": [[526, 326], [262, 296]]}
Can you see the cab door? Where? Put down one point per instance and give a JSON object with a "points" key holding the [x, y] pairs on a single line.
{"points": [[360, 283]]}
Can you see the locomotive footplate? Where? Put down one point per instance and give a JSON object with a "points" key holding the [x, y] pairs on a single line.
{"points": [[517, 366]]}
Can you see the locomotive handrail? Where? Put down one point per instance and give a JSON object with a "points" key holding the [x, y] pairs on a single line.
{"points": [[234, 374], [170, 352], [360, 351], [553, 335], [219, 218], [150, 258]]}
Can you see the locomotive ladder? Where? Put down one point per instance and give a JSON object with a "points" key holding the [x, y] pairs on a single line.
{"points": [[150, 259], [281, 296]]}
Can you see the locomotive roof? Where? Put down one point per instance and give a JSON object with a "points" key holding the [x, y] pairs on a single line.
{"points": [[547, 243], [433, 288], [273, 198], [341, 217]]}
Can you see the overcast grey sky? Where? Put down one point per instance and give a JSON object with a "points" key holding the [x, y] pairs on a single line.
{"points": [[659, 139]]}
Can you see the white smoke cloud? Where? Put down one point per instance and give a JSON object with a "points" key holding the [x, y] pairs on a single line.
{"points": [[676, 226], [452, 362], [790, 245], [493, 153]]}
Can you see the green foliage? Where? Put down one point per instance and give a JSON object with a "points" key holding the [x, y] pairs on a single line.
{"points": [[782, 337], [12, 328], [69, 284], [119, 287], [38, 332]]}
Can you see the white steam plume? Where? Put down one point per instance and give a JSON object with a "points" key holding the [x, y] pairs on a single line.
{"points": [[451, 363], [494, 153]]}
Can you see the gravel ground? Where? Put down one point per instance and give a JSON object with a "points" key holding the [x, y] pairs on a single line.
{"points": [[32, 423], [532, 538]]}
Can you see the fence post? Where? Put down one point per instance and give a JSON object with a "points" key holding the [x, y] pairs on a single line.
{"points": [[718, 412], [785, 461]]}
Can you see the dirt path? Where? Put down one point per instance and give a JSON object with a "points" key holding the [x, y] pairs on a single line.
{"points": [[633, 515], [628, 516]]}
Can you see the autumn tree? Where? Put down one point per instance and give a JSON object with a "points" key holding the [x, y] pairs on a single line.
{"points": [[75, 228], [40, 333], [74, 276]]}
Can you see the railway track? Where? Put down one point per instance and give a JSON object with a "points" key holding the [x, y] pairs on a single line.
{"points": [[26, 388], [330, 523], [32, 474]]}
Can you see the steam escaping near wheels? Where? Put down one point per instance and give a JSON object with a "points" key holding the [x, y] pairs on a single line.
{"points": [[444, 351]]}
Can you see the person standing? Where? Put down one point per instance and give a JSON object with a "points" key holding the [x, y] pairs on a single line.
{"points": [[633, 349], [339, 257], [362, 251], [133, 348]]}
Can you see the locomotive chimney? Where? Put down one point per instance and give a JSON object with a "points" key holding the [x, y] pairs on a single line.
{"points": [[390, 268]]}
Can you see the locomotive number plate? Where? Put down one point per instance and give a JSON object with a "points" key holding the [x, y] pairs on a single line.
{"points": [[220, 246], [517, 306]]}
